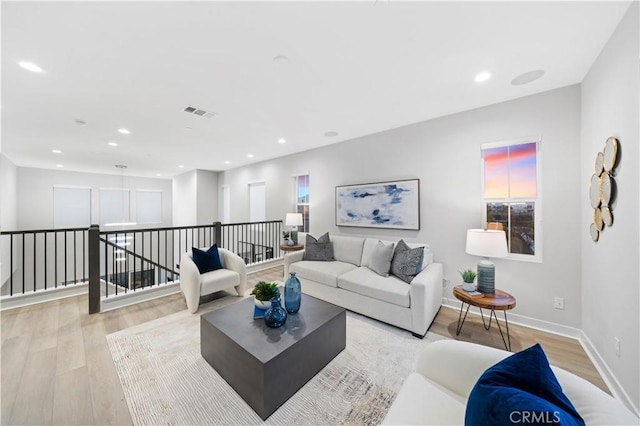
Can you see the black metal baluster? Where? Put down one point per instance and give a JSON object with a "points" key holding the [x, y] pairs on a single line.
{"points": [[34, 262], [75, 257], [22, 263], [55, 268], [65, 258]]}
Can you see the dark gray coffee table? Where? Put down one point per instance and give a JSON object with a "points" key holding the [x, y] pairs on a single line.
{"points": [[266, 366]]}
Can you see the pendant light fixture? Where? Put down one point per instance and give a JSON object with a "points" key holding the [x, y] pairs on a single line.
{"points": [[122, 204]]}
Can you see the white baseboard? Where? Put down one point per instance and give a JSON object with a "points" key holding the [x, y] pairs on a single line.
{"points": [[267, 264], [41, 296], [573, 333], [607, 375], [134, 297], [549, 327]]}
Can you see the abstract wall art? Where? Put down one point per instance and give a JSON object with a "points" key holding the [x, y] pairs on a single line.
{"points": [[393, 204]]}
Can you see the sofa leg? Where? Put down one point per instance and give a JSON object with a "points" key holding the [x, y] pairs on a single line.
{"points": [[419, 336]]}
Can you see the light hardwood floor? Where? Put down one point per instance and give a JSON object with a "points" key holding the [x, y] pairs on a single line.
{"points": [[56, 367]]}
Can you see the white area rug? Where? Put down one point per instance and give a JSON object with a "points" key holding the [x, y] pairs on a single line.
{"points": [[166, 380]]}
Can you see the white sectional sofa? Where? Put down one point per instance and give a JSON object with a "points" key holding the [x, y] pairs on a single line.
{"points": [[348, 282], [437, 392]]}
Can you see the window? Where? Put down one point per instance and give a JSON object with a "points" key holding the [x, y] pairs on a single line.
{"points": [[257, 203], [302, 200], [71, 207], [512, 194], [148, 207], [114, 206]]}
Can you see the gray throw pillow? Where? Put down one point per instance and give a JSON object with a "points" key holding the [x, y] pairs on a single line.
{"points": [[406, 262], [381, 258], [318, 249]]}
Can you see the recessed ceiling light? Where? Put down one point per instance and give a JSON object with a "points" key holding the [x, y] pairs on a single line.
{"points": [[112, 143], [250, 155], [158, 174], [56, 151], [527, 77], [281, 141], [59, 166], [188, 128], [483, 76], [331, 134], [80, 122], [124, 131], [180, 166], [30, 66], [227, 162]]}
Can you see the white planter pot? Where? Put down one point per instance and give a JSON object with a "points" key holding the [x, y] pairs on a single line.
{"points": [[468, 286], [262, 305]]}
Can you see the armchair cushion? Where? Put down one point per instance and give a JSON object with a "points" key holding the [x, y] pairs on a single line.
{"points": [[520, 387], [207, 261]]}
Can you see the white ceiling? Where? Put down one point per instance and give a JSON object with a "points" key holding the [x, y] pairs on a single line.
{"points": [[354, 68]]}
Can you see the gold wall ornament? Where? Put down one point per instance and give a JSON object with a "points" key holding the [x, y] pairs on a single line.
{"points": [[601, 187]]}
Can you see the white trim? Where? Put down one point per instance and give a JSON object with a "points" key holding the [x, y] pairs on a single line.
{"points": [[536, 324], [71, 186], [41, 296], [507, 142], [607, 375], [134, 297], [256, 182]]}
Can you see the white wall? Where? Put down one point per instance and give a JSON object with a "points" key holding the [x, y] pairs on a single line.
{"points": [[611, 284], [8, 217], [444, 154], [195, 198], [35, 193]]}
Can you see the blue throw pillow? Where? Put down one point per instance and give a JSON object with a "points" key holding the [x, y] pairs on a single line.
{"points": [[207, 261], [520, 389]]}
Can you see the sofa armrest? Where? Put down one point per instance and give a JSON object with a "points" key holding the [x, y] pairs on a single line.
{"points": [[457, 365], [426, 297], [235, 263], [190, 282], [292, 257]]}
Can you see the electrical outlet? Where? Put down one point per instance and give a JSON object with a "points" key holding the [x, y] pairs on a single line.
{"points": [[617, 346], [558, 302]]}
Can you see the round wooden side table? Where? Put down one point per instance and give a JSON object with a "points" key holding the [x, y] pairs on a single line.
{"points": [[294, 247], [499, 301]]}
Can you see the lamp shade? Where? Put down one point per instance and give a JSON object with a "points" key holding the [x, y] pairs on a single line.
{"points": [[487, 243], [293, 219]]}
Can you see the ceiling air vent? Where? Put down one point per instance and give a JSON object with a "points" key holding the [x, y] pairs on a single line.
{"points": [[198, 111]]}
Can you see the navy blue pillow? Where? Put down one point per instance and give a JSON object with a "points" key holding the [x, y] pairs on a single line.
{"points": [[520, 389], [207, 261]]}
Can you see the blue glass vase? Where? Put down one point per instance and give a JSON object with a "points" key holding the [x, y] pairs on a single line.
{"points": [[275, 316], [292, 291]]}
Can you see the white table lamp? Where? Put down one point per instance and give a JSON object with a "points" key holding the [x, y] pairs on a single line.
{"points": [[486, 243], [293, 220]]}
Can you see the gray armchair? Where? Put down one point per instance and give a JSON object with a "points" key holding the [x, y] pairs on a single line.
{"points": [[194, 284]]}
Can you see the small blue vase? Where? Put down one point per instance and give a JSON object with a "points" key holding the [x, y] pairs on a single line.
{"points": [[275, 316], [292, 294]]}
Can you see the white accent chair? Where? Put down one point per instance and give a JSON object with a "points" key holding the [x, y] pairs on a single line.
{"points": [[193, 284]]}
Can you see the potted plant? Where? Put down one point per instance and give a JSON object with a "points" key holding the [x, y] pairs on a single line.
{"points": [[263, 292], [287, 238], [468, 276]]}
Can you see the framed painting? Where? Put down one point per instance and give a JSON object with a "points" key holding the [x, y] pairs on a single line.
{"points": [[393, 205]]}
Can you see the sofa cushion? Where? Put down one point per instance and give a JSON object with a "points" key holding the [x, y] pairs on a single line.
{"points": [[217, 280], [206, 261], [519, 388], [423, 402], [381, 259], [347, 249], [427, 256], [367, 283], [407, 262], [322, 272], [320, 249], [368, 248]]}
